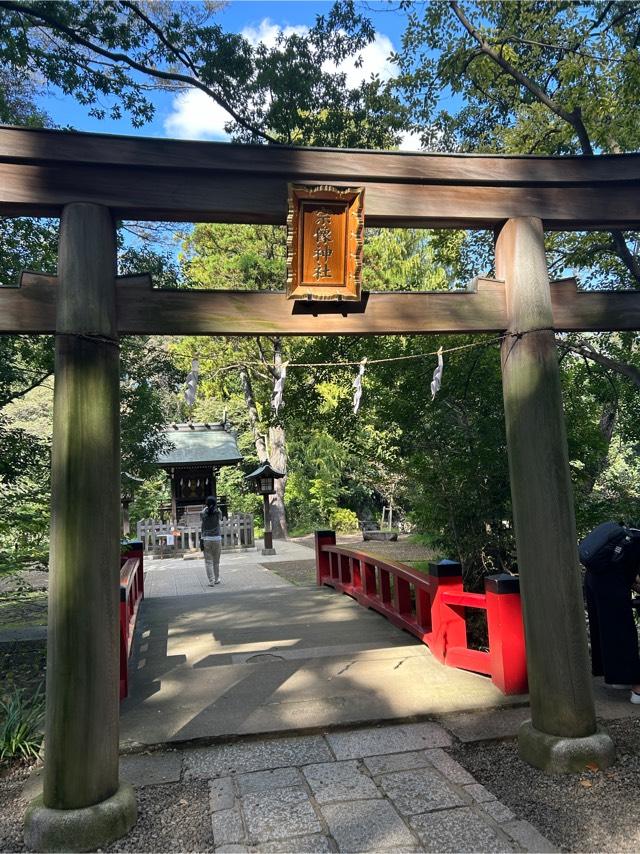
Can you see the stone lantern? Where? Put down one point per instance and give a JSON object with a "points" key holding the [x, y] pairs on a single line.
{"points": [[263, 481]]}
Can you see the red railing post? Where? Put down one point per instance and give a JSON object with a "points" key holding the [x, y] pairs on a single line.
{"points": [[323, 565], [124, 649], [448, 626], [507, 653]]}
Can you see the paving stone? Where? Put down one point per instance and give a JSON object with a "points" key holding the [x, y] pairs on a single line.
{"points": [[399, 761], [498, 811], [227, 827], [259, 781], [314, 844], [151, 769], [457, 830], [479, 793], [224, 759], [526, 835], [368, 826], [448, 766], [419, 791], [221, 794], [232, 849], [279, 814], [339, 781], [487, 724], [378, 741]]}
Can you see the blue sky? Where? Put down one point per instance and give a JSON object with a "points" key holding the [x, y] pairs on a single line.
{"points": [[191, 115]]}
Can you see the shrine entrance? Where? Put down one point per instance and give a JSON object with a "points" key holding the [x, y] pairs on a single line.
{"points": [[90, 181]]}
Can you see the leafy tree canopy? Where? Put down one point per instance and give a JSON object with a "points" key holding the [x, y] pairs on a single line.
{"points": [[110, 55]]}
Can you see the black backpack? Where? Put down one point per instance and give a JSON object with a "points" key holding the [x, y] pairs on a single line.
{"points": [[610, 545]]}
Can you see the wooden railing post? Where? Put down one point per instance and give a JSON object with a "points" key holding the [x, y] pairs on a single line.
{"points": [[83, 806], [323, 565], [448, 628], [507, 653], [562, 734]]}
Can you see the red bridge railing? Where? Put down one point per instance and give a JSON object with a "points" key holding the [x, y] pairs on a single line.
{"points": [[434, 607], [131, 594]]}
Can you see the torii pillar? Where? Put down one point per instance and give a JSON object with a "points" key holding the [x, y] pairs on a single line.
{"points": [[562, 735], [83, 805]]}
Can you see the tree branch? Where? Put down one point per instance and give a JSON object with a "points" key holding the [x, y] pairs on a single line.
{"points": [[179, 54], [115, 56], [631, 261], [24, 391], [623, 368], [573, 117]]}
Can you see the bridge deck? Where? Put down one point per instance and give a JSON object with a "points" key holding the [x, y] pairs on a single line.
{"points": [[257, 655]]}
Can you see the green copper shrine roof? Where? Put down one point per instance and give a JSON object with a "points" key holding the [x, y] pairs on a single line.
{"points": [[210, 444]]}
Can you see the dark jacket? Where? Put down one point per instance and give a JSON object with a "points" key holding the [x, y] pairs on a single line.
{"points": [[210, 523]]}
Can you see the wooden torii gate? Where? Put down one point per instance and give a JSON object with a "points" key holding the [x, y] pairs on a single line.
{"points": [[92, 180]]}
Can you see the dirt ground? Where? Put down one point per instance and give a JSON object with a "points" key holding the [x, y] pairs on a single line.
{"points": [[303, 572]]}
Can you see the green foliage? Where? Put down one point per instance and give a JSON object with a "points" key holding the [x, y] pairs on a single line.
{"points": [[314, 485], [241, 499], [345, 521], [109, 55], [148, 497], [21, 722], [544, 78], [235, 257]]}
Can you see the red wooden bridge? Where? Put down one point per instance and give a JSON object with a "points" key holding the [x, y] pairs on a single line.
{"points": [[434, 608]]}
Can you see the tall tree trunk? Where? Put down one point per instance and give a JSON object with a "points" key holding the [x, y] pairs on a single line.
{"points": [[607, 425], [278, 459], [249, 399]]}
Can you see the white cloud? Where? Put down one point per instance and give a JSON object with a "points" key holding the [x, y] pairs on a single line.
{"points": [[267, 33], [195, 116], [375, 60], [410, 140]]}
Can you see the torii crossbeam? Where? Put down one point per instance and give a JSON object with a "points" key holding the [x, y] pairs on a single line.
{"points": [[90, 180]]}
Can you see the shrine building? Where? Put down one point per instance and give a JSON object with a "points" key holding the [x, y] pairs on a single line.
{"points": [[196, 454]]}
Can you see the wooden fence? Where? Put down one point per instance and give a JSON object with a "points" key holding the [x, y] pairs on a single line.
{"points": [[167, 539], [434, 608]]}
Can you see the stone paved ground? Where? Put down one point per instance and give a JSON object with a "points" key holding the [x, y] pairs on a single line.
{"points": [[390, 788]]}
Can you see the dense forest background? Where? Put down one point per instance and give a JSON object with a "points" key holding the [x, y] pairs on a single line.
{"points": [[513, 78]]}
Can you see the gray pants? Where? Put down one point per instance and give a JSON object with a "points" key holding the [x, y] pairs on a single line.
{"points": [[212, 549]]}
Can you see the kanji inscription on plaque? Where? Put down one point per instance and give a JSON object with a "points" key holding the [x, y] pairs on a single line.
{"points": [[325, 234]]}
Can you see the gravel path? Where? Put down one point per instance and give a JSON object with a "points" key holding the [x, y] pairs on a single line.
{"points": [[587, 812]]}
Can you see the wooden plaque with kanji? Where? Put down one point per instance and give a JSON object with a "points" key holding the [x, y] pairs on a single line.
{"points": [[325, 235]]}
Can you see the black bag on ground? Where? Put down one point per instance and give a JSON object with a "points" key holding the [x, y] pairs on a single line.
{"points": [[609, 545]]}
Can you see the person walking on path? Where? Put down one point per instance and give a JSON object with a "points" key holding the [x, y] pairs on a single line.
{"points": [[211, 540]]}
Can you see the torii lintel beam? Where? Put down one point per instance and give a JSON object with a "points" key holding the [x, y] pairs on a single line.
{"points": [[144, 310], [43, 170]]}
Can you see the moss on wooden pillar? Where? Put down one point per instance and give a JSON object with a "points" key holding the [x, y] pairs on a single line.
{"points": [[82, 730], [561, 692]]}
